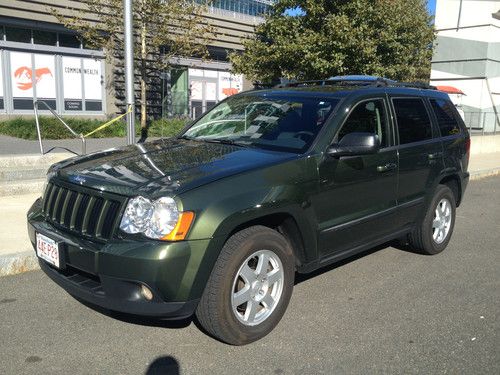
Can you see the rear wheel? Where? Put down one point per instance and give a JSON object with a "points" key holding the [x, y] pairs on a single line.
{"points": [[434, 233], [249, 288]]}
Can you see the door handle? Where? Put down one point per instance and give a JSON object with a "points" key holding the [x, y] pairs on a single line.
{"points": [[387, 167], [435, 155]]}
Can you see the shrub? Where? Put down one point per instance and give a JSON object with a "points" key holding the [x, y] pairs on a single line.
{"points": [[51, 128]]}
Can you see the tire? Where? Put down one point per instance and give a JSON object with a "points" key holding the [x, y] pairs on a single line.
{"points": [[219, 311], [423, 238]]}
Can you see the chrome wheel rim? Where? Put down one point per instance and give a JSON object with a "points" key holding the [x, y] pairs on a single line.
{"points": [[257, 287], [442, 221]]}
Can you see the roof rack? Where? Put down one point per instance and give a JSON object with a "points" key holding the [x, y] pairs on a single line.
{"points": [[366, 81]]}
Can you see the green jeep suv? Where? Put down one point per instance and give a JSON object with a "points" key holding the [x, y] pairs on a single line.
{"points": [[217, 221]]}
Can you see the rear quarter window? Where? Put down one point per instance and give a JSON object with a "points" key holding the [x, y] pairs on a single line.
{"points": [[446, 116], [412, 119]]}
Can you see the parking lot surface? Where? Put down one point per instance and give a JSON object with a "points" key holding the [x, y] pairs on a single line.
{"points": [[387, 311]]}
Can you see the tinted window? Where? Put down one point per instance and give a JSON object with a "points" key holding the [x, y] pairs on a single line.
{"points": [[44, 37], [367, 117], [413, 121], [16, 34], [446, 118], [68, 40]]}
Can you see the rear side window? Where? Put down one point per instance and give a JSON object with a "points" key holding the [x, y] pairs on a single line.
{"points": [[446, 117], [413, 120]]}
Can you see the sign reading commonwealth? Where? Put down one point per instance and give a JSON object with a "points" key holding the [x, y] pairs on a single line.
{"points": [[82, 84], [72, 83], [75, 84], [92, 78]]}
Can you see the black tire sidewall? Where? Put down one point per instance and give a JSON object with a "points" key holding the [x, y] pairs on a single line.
{"points": [[430, 246], [236, 332]]}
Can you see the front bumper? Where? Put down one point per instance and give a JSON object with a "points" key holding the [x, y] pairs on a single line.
{"points": [[110, 274]]}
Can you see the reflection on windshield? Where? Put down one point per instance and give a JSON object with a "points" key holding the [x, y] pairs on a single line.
{"points": [[282, 123]]}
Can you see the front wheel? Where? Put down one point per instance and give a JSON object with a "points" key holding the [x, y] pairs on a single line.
{"points": [[434, 232], [249, 288]]}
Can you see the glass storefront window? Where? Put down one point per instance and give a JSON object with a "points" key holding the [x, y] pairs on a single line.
{"points": [[44, 37], [250, 7], [1, 86], [68, 40], [15, 34], [180, 92]]}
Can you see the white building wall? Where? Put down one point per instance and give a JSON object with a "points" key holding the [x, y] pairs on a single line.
{"points": [[467, 56]]}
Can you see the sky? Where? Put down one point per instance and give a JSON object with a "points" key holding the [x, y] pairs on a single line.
{"points": [[431, 6]]}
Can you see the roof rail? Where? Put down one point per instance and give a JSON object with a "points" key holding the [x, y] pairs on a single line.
{"points": [[358, 80]]}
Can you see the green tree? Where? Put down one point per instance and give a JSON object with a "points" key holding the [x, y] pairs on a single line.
{"points": [[162, 30], [389, 38]]}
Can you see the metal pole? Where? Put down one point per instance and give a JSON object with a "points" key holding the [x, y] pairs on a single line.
{"points": [[129, 69], [35, 107]]}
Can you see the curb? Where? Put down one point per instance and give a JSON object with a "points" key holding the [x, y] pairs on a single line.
{"points": [[478, 175], [15, 263], [12, 264]]}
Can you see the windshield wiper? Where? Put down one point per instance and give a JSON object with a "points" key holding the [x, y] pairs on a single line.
{"points": [[226, 141], [186, 137]]}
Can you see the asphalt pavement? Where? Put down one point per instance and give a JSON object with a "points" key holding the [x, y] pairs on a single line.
{"points": [[388, 311]]}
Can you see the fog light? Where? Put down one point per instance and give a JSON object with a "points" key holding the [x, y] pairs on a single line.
{"points": [[146, 292]]}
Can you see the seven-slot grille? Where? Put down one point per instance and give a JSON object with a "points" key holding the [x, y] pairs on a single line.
{"points": [[87, 214]]}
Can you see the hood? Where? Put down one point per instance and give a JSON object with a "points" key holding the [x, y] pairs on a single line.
{"points": [[163, 167]]}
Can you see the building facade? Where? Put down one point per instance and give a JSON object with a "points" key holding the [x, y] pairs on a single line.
{"points": [[467, 56], [41, 59]]}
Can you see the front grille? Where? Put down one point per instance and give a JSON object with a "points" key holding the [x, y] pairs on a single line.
{"points": [[84, 213]]}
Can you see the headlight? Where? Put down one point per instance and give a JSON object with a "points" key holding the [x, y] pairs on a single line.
{"points": [[163, 218], [159, 219], [137, 215]]}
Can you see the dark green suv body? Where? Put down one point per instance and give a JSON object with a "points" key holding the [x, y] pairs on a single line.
{"points": [[268, 183]]}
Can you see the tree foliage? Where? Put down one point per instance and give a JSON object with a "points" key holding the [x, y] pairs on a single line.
{"points": [[389, 38], [162, 30]]}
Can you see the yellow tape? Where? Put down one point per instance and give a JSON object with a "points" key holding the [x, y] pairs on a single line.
{"points": [[110, 122]]}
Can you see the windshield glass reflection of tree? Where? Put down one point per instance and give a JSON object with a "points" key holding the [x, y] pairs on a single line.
{"points": [[272, 122]]}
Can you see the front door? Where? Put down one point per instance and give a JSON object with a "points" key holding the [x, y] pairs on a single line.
{"points": [[203, 95], [357, 194]]}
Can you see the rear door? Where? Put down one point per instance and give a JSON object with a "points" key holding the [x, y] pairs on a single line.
{"points": [[420, 157], [453, 135]]}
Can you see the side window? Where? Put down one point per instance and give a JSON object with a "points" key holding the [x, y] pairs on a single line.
{"points": [[367, 117], [413, 120], [446, 118]]}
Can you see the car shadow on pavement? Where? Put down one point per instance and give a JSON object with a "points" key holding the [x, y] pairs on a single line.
{"points": [[139, 320], [149, 322], [301, 277]]}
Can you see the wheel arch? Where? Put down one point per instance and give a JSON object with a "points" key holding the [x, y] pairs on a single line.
{"points": [[454, 183], [296, 229]]}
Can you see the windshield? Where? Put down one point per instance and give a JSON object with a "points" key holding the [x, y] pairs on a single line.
{"points": [[282, 123]]}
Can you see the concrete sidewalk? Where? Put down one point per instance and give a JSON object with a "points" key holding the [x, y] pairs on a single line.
{"points": [[17, 146], [17, 255]]}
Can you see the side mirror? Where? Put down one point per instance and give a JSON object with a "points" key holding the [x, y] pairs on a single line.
{"points": [[354, 144]]}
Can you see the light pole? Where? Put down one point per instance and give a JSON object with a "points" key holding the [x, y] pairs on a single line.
{"points": [[129, 69]]}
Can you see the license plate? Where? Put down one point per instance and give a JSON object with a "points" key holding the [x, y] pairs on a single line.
{"points": [[47, 249]]}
